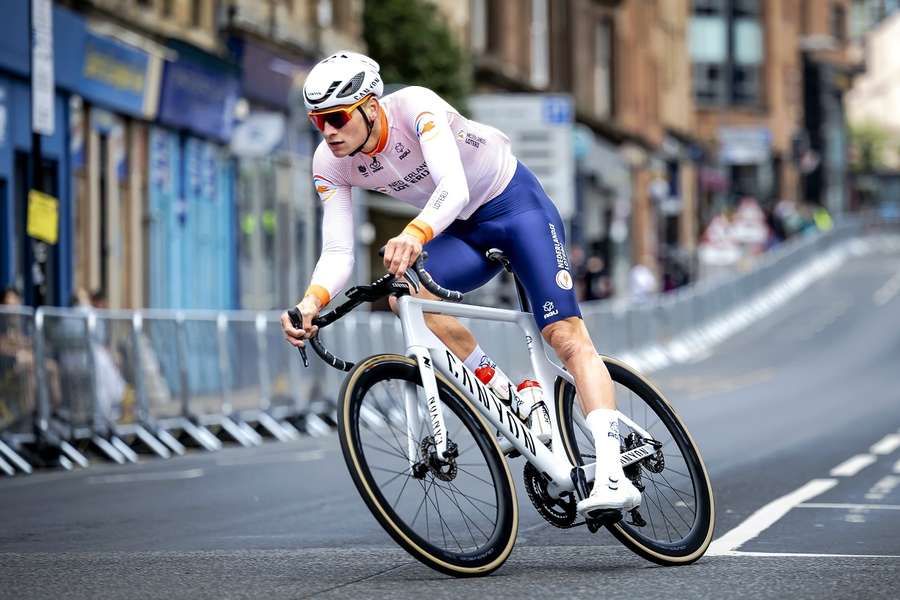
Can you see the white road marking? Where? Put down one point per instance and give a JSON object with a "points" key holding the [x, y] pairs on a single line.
{"points": [[849, 506], [885, 293], [766, 516], [887, 444], [897, 467], [806, 555], [884, 487], [136, 477], [853, 465]]}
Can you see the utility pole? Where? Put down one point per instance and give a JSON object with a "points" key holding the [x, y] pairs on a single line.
{"points": [[42, 123]]}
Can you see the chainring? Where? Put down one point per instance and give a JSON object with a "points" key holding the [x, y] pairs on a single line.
{"points": [[559, 512]]}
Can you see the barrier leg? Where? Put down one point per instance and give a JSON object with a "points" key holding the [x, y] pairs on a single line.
{"points": [[12, 457]]}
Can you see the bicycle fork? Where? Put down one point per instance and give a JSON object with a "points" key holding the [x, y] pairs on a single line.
{"points": [[432, 403]]}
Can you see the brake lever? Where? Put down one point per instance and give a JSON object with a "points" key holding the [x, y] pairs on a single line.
{"points": [[294, 316], [412, 277]]}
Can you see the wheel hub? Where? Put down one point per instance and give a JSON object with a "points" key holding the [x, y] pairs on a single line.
{"points": [[444, 469]]}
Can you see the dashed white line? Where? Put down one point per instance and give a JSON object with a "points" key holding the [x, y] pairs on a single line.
{"points": [[807, 555], [763, 518], [886, 292], [849, 506], [883, 487], [853, 465], [887, 444], [897, 467]]}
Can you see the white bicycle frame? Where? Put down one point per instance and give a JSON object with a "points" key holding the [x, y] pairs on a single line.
{"points": [[429, 352]]}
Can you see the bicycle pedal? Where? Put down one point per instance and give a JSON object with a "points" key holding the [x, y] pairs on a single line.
{"points": [[602, 518], [636, 519]]}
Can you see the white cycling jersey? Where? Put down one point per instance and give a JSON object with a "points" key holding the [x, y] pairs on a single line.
{"points": [[429, 156]]}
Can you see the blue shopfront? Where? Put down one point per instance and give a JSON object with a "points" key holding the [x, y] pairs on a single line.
{"points": [[17, 250], [192, 249]]}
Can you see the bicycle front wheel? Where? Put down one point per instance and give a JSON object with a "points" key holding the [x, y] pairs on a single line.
{"points": [[677, 509], [457, 515]]}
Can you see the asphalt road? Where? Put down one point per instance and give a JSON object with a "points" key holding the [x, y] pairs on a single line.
{"points": [[787, 402]]}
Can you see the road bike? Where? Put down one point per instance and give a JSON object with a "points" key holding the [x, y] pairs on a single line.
{"points": [[429, 446]]}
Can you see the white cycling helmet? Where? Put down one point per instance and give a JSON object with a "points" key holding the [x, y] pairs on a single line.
{"points": [[341, 79]]}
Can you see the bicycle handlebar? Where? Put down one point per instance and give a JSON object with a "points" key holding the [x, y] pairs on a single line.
{"points": [[385, 285]]}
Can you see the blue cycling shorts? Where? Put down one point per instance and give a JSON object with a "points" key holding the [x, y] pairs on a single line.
{"points": [[525, 224]]}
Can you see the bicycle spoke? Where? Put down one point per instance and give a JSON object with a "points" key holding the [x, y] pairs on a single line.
{"points": [[490, 483], [469, 500], [466, 518]]}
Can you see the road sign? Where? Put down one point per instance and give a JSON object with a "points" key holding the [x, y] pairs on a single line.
{"points": [[540, 127]]}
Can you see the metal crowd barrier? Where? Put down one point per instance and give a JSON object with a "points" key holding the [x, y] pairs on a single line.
{"points": [[79, 383]]}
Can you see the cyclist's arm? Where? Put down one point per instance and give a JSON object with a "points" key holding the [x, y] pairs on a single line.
{"points": [[335, 264], [451, 193]]}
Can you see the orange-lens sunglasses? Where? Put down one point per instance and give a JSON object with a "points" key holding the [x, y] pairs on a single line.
{"points": [[337, 117]]}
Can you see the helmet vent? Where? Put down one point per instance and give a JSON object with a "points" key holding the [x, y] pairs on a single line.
{"points": [[352, 86]]}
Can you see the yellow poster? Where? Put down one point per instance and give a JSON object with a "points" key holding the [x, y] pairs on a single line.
{"points": [[43, 216]]}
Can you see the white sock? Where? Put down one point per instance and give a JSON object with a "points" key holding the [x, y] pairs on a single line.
{"points": [[604, 425], [479, 359]]}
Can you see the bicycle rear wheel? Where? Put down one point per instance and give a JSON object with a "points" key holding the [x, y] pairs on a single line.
{"points": [[458, 516], [677, 501]]}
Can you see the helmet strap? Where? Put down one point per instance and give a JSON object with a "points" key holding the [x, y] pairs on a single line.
{"points": [[368, 135]]}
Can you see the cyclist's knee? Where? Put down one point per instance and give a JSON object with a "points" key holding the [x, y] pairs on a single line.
{"points": [[569, 339]]}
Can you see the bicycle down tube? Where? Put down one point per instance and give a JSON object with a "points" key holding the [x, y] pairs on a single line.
{"points": [[430, 351]]}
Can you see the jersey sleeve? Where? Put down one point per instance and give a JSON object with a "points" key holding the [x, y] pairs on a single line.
{"points": [[335, 264], [431, 122]]}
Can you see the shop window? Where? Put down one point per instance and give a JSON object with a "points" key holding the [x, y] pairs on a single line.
{"points": [[603, 69], [727, 52], [540, 43], [838, 22], [478, 25]]}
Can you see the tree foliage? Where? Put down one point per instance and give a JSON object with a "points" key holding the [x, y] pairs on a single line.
{"points": [[415, 47], [869, 143]]}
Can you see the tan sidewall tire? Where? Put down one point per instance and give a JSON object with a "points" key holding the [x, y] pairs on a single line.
{"points": [[363, 486], [617, 530]]}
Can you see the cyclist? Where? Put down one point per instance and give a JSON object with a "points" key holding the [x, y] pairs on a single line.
{"points": [[473, 195]]}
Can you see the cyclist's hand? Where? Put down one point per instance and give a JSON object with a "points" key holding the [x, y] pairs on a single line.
{"points": [[400, 252], [308, 309]]}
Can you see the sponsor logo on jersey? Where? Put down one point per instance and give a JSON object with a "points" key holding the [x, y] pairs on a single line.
{"points": [[436, 204], [549, 309], [414, 176], [562, 261], [375, 166], [564, 279], [425, 127], [362, 169], [324, 188], [401, 150]]}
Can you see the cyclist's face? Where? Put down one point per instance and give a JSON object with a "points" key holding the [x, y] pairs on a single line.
{"points": [[345, 139]]}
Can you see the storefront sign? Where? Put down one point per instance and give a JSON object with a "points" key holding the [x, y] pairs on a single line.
{"points": [[744, 145], [199, 97], [119, 77]]}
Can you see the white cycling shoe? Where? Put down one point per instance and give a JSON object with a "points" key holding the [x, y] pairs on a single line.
{"points": [[612, 494]]}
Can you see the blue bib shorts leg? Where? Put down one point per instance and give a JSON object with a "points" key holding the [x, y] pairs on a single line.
{"points": [[525, 224]]}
